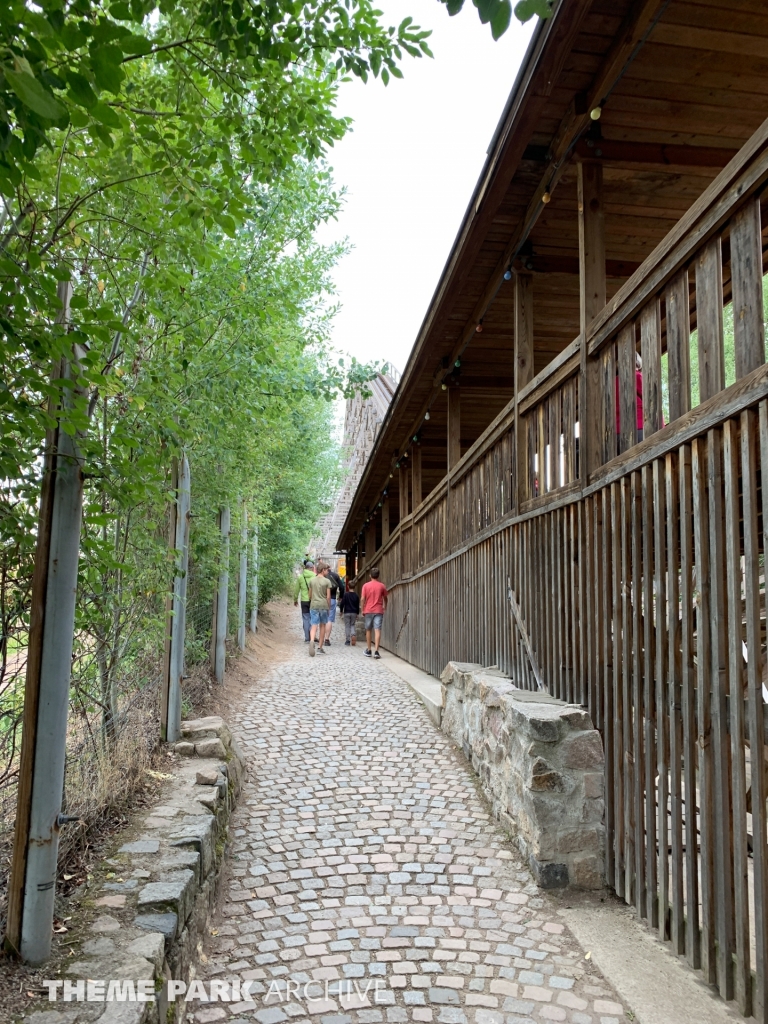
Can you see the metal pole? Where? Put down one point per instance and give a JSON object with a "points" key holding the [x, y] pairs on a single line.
{"points": [[178, 613], [255, 583], [32, 886], [242, 589], [220, 649]]}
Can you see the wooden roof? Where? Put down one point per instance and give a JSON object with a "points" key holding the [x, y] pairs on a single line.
{"points": [[681, 86]]}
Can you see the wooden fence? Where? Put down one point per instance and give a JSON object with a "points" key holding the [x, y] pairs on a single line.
{"points": [[639, 591]]}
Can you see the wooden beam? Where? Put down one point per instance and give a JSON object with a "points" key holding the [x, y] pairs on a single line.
{"points": [[385, 520], [570, 265], [403, 480], [416, 475], [592, 297], [454, 427], [523, 367], [370, 541], [653, 153]]}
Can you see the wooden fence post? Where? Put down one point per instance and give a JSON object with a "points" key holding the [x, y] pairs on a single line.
{"points": [[592, 296], [176, 618], [220, 604]]}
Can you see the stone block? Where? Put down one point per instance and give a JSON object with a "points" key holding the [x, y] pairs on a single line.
{"points": [[584, 751], [151, 947], [141, 846], [212, 747], [540, 763], [185, 749], [588, 871], [166, 924], [172, 895], [207, 777], [594, 785]]}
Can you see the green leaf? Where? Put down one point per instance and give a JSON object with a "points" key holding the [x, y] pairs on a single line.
{"points": [[33, 95], [106, 115], [121, 11], [487, 9], [527, 9], [80, 90], [501, 19], [106, 61], [454, 6], [134, 44]]}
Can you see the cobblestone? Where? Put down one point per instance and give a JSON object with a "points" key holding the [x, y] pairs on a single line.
{"points": [[362, 856]]}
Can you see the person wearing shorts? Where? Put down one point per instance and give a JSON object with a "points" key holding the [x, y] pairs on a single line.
{"points": [[373, 598], [319, 606], [350, 607]]}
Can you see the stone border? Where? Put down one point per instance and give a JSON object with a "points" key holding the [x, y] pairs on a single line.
{"points": [[540, 762], [161, 887]]}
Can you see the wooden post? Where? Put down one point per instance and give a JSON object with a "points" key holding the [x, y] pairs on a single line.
{"points": [[385, 520], [592, 297], [416, 490], [370, 541], [403, 479], [454, 427], [523, 372]]}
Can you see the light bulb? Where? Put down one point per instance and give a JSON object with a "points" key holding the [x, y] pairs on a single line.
{"points": [[507, 274], [457, 364], [445, 387], [545, 198], [426, 415], [596, 113]]}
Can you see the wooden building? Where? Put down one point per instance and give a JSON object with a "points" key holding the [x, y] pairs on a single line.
{"points": [[515, 510]]}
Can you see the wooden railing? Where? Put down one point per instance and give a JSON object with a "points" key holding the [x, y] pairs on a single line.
{"points": [[638, 592]]}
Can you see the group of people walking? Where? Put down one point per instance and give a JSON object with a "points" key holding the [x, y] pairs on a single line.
{"points": [[322, 592]]}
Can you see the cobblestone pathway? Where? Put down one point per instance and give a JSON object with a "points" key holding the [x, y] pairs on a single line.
{"points": [[365, 862]]}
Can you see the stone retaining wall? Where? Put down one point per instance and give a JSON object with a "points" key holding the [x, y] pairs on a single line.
{"points": [[154, 897], [541, 765]]}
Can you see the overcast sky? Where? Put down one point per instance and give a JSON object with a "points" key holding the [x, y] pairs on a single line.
{"points": [[409, 166]]}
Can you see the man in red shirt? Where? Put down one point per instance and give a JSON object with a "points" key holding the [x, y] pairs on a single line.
{"points": [[374, 601]]}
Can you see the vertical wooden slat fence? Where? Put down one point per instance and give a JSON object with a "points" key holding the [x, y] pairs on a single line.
{"points": [[639, 592]]}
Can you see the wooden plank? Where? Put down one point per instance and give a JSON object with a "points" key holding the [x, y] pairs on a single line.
{"points": [[606, 612], [679, 345], [709, 319], [649, 702], [688, 707], [662, 741], [626, 368], [637, 710], [416, 476], [747, 288], [704, 692], [524, 639], [616, 750], [673, 707], [623, 708], [569, 430], [742, 980], [723, 865], [454, 426], [592, 295], [755, 705], [607, 448], [650, 350]]}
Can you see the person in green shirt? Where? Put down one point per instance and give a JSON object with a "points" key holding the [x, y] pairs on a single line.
{"points": [[301, 592], [319, 606]]}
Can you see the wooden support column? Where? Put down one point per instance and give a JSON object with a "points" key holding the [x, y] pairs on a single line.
{"points": [[416, 490], [592, 299], [403, 482], [454, 426], [370, 541], [385, 519], [523, 372]]}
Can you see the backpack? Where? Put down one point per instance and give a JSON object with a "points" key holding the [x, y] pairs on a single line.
{"points": [[338, 583]]}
